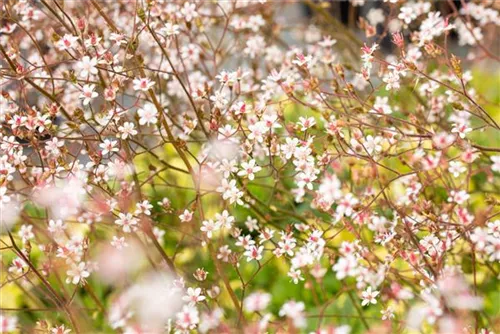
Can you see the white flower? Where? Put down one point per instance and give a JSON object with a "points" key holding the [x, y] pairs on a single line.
{"points": [[143, 207], [496, 163], [148, 114], [376, 16], [296, 276], [387, 314], [169, 29], [306, 123], [254, 253], [87, 66], [224, 219], [257, 131], [392, 81], [119, 242], [443, 140], [407, 14], [8, 323], [289, 148], [67, 42], [294, 311], [88, 94], [143, 84], [468, 34], [118, 38], [369, 296], [18, 266], [108, 146], [227, 167], [193, 296], [461, 129], [209, 226], [127, 222], [256, 302], [186, 216], [126, 130], [248, 169], [245, 242], [381, 106], [479, 237], [327, 42], [230, 192], [346, 205], [188, 11], [25, 232], [224, 253], [458, 197], [187, 319], [494, 228], [60, 330], [456, 168], [219, 100], [302, 60], [372, 144], [77, 273], [52, 146], [255, 46], [56, 226], [345, 266]]}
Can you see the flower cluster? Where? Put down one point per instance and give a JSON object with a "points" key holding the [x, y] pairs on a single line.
{"points": [[179, 167]]}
